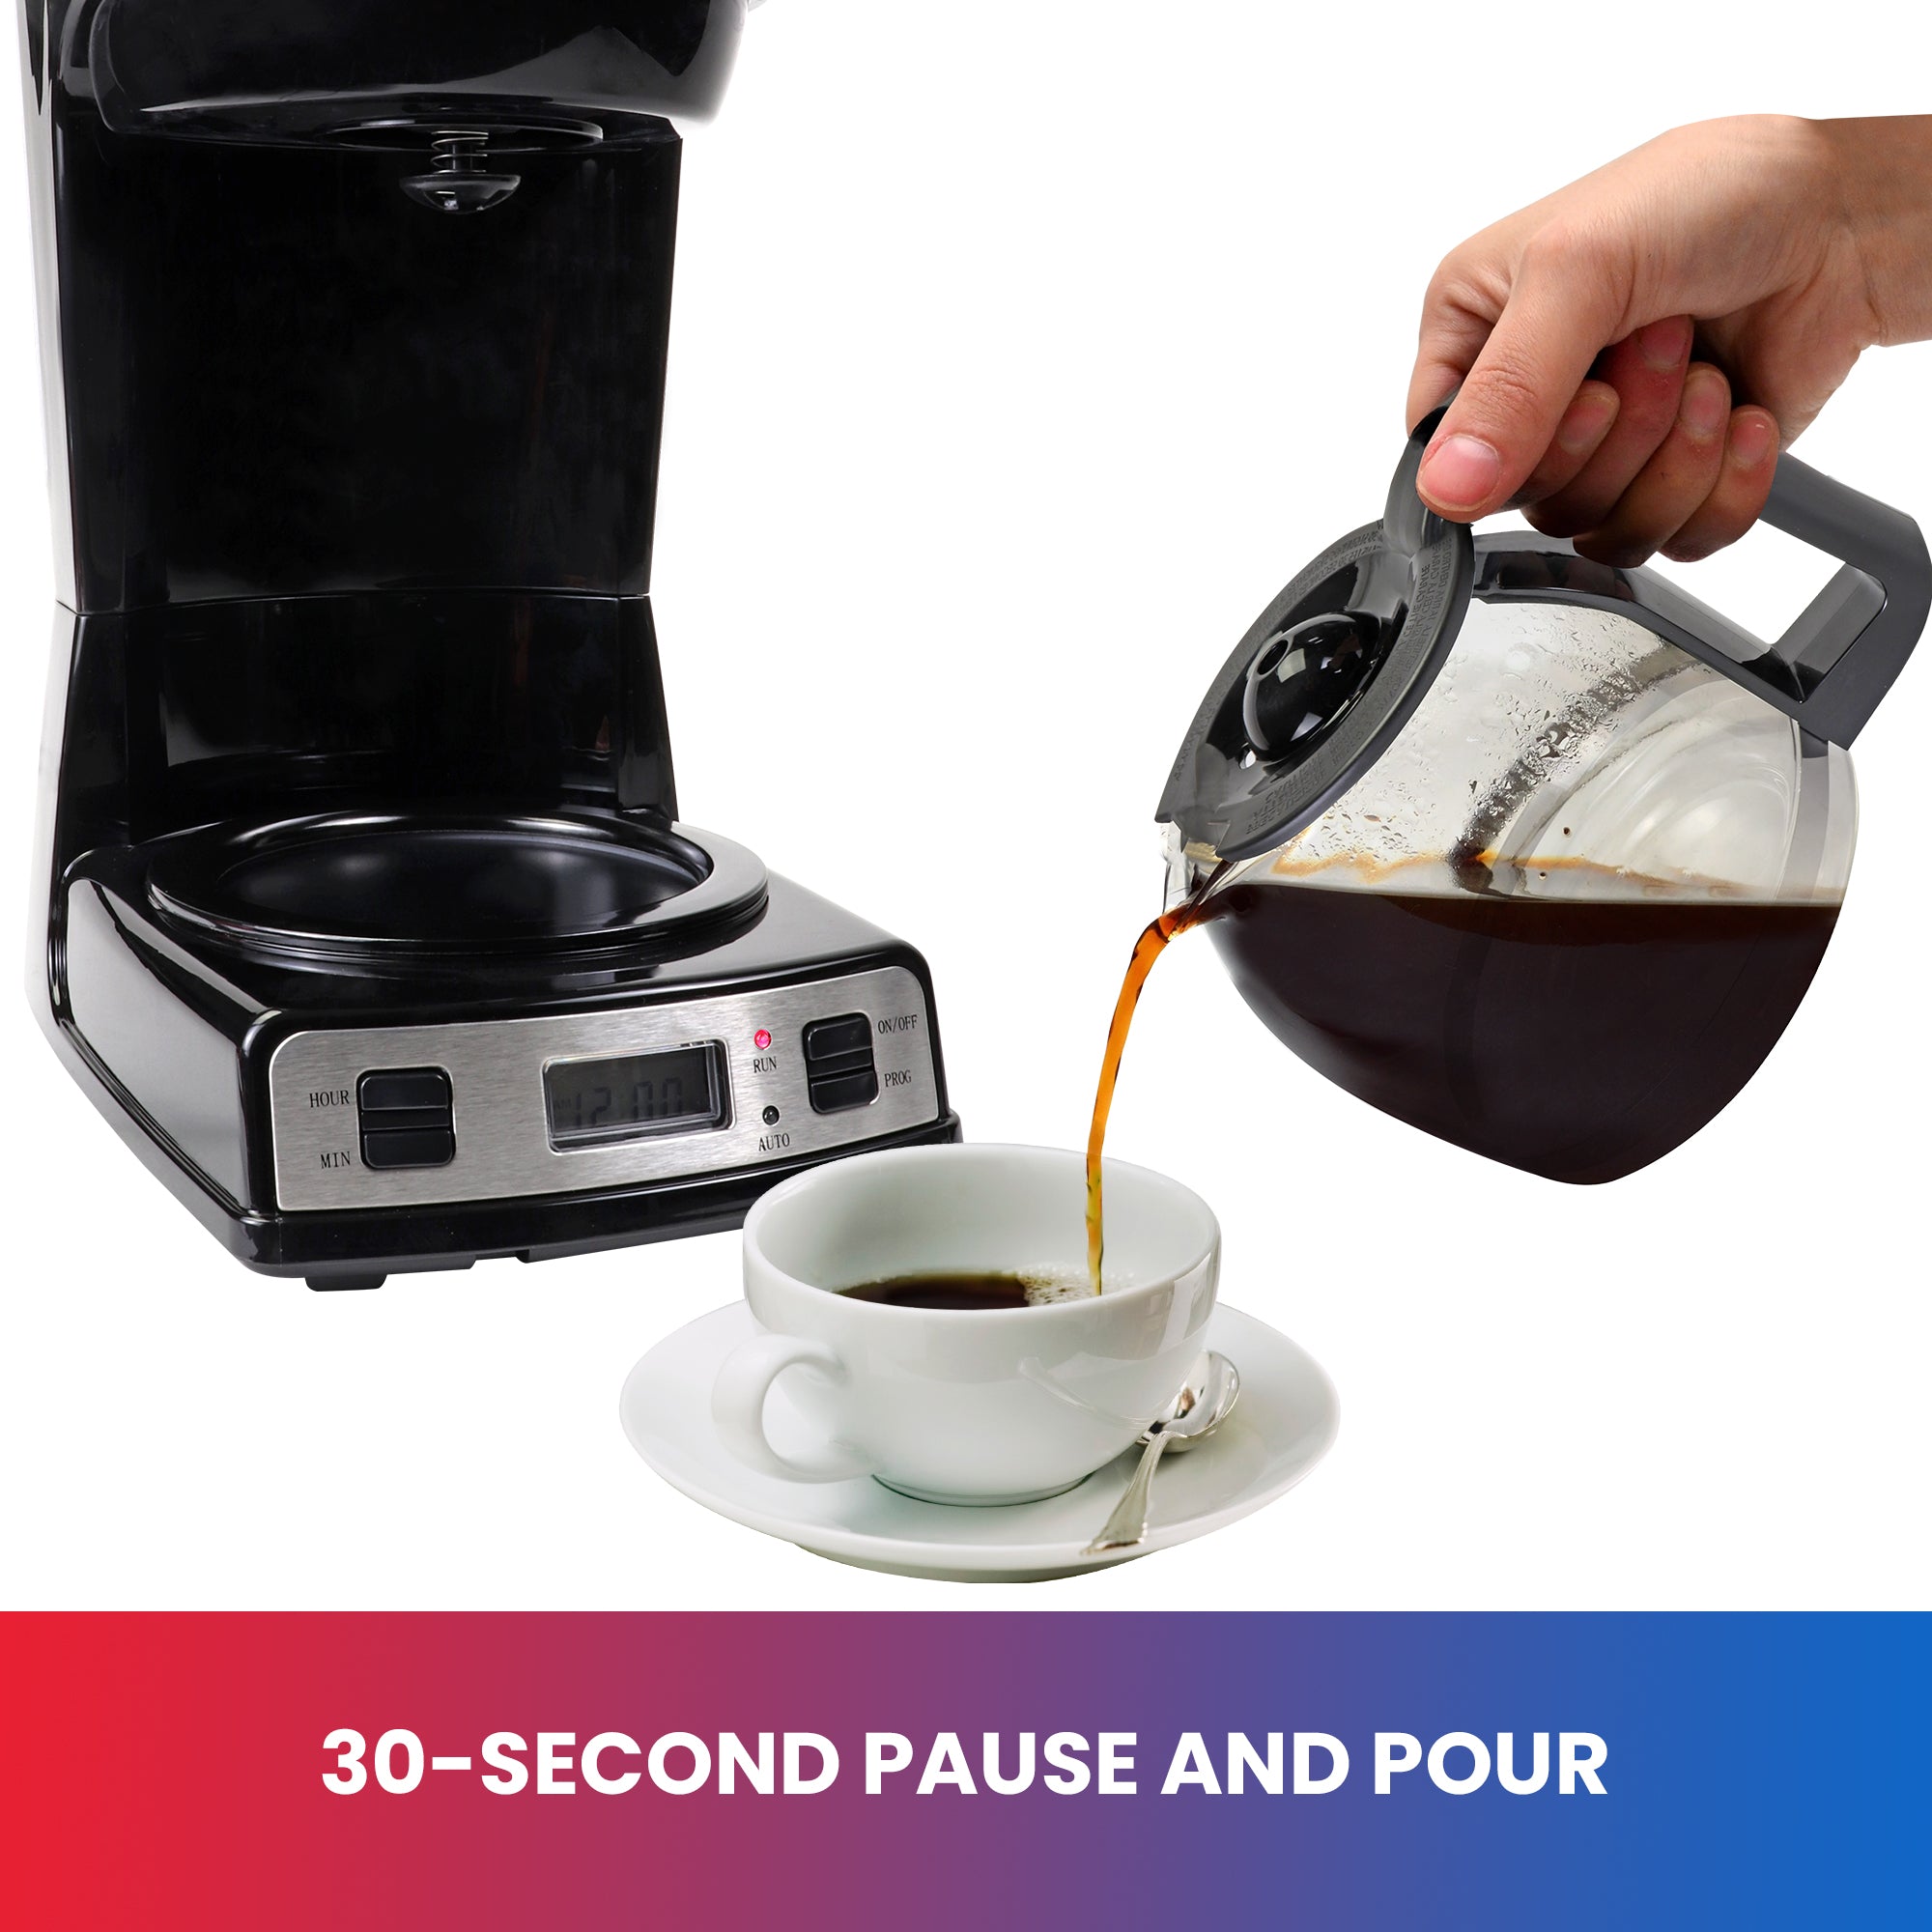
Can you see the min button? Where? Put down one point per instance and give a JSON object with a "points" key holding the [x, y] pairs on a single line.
{"points": [[406, 1118]]}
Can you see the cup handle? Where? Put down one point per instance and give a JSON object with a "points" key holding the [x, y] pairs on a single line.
{"points": [[738, 1409]]}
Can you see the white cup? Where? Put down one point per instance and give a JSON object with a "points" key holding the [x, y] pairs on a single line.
{"points": [[965, 1406]]}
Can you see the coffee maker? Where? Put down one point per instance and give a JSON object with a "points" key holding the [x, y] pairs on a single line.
{"points": [[363, 910]]}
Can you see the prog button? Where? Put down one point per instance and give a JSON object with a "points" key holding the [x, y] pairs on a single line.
{"points": [[838, 1069]]}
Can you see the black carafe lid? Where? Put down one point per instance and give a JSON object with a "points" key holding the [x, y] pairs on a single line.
{"points": [[1334, 667], [1325, 679]]}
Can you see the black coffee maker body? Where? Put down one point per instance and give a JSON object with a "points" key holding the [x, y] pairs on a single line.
{"points": [[355, 319]]}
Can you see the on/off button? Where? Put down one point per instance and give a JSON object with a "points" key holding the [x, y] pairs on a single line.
{"points": [[843, 1039], [838, 1067]]}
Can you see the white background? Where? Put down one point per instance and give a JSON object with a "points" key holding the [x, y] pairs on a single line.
{"points": [[1022, 351]]}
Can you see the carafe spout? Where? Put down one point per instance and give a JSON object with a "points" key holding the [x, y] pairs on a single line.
{"points": [[1195, 872]]}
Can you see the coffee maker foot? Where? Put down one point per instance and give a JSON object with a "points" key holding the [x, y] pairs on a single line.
{"points": [[330, 1284]]}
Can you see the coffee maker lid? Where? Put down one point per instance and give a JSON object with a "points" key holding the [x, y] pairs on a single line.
{"points": [[1325, 677], [532, 75]]}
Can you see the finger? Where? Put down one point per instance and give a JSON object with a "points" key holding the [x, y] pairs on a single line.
{"points": [[1670, 487], [1737, 499], [1561, 309], [1647, 371], [1466, 294], [1578, 436], [1449, 350]]}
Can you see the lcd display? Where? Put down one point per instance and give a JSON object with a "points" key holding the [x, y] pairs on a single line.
{"points": [[680, 1090]]}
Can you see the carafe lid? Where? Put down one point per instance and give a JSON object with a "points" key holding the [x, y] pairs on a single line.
{"points": [[1325, 677], [1333, 668]]}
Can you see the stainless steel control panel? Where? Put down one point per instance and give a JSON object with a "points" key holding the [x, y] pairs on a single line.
{"points": [[500, 1138]]}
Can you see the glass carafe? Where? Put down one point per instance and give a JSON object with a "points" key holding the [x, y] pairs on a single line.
{"points": [[1534, 854]]}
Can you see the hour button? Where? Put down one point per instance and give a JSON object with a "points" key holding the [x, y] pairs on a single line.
{"points": [[406, 1090], [406, 1118]]}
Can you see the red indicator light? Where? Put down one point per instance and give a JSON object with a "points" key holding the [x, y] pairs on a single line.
{"points": [[761, 1039]]}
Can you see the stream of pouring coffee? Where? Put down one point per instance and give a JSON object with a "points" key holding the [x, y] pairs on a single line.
{"points": [[1147, 947]]}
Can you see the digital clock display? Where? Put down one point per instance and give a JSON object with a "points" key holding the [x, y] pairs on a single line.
{"points": [[681, 1090]]}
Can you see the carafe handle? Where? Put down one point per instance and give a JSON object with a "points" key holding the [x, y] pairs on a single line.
{"points": [[1840, 655], [1846, 648]]}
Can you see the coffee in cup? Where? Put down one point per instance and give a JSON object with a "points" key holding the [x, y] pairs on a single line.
{"points": [[963, 1398]]}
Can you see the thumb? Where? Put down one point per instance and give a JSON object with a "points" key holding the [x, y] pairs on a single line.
{"points": [[1551, 329]]}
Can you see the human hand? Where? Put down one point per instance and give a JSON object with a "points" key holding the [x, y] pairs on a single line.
{"points": [[1633, 350]]}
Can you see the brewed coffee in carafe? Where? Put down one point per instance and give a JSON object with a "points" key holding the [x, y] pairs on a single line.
{"points": [[1534, 854], [1572, 965]]}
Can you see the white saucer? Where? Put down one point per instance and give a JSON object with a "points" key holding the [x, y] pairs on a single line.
{"points": [[1281, 1427]]}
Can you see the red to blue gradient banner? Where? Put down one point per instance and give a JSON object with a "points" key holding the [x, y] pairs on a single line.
{"points": [[949, 1771]]}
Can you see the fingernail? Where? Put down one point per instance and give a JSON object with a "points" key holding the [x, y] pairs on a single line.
{"points": [[1707, 403], [1666, 344], [1460, 472], [1586, 419], [1753, 439]]}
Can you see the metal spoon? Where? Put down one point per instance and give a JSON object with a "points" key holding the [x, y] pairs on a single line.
{"points": [[1209, 1392]]}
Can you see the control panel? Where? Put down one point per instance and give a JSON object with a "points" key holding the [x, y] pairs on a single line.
{"points": [[492, 1109]]}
